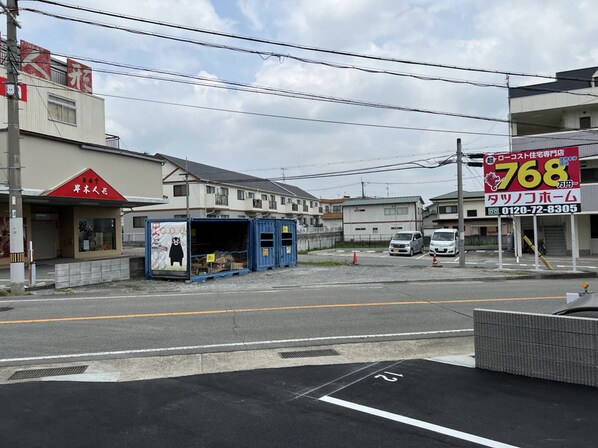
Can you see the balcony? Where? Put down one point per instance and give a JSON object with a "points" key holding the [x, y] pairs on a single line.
{"points": [[216, 201]]}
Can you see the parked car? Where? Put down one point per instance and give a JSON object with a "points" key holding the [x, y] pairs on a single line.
{"points": [[586, 305], [407, 243], [444, 242]]}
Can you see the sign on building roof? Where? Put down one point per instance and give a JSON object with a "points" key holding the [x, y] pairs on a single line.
{"points": [[532, 182], [87, 185]]}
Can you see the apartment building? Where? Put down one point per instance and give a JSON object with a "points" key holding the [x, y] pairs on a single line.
{"points": [[559, 114], [197, 190]]}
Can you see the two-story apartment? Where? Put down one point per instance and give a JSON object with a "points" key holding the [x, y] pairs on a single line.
{"points": [[332, 217], [197, 190], [474, 214], [73, 183], [371, 219], [558, 114]]}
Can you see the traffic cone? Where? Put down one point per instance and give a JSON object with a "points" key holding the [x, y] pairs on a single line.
{"points": [[435, 261], [354, 258]]}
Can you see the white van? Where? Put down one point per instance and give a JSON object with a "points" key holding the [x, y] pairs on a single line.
{"points": [[444, 242]]}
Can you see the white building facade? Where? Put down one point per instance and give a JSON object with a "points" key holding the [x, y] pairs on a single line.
{"points": [[218, 193], [560, 114], [371, 219]]}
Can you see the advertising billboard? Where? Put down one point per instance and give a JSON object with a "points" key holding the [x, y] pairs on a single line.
{"points": [[532, 182], [169, 248]]}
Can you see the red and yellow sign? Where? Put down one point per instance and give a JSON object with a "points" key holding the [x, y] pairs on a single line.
{"points": [[87, 185], [533, 182]]}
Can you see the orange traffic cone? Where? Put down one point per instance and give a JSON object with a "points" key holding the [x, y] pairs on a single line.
{"points": [[354, 258]]}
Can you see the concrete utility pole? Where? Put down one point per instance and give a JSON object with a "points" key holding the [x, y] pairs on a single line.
{"points": [[461, 222], [15, 200]]}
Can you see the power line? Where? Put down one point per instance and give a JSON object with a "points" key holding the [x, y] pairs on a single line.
{"points": [[283, 44]]}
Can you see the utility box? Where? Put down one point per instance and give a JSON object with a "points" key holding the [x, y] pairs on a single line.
{"points": [[286, 243]]}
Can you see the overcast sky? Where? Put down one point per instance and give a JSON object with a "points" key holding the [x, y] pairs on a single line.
{"points": [[244, 131]]}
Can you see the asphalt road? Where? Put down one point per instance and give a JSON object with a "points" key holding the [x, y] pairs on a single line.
{"points": [[413, 403], [68, 326]]}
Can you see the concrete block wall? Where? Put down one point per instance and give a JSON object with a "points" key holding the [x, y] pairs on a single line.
{"points": [[91, 272], [558, 348]]}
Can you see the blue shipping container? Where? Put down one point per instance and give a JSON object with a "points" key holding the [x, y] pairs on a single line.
{"points": [[286, 243], [263, 244]]}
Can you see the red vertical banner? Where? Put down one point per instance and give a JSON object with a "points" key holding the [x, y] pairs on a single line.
{"points": [[78, 76], [35, 60]]}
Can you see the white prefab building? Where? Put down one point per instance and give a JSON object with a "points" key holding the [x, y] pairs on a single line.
{"points": [[379, 218]]}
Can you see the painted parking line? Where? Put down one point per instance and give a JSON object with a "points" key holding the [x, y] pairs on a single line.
{"points": [[417, 423]]}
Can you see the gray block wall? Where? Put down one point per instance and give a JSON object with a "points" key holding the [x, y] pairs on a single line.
{"points": [[558, 348], [91, 272]]}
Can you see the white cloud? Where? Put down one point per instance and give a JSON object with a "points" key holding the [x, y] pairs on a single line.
{"points": [[535, 36]]}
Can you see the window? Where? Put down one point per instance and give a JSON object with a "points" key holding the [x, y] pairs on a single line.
{"points": [[264, 197], [210, 189], [472, 213], [62, 109], [139, 222], [283, 200], [337, 208], [223, 191], [445, 209], [375, 230], [179, 190], [594, 226], [396, 211], [97, 234], [240, 195], [585, 122], [359, 228], [251, 195], [589, 175], [224, 216], [360, 209], [180, 216]]}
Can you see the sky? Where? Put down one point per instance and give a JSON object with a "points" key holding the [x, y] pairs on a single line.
{"points": [[168, 90]]}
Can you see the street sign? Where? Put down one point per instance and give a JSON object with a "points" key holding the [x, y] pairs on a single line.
{"points": [[532, 182]]}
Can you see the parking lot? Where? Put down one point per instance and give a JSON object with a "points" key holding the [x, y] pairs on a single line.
{"points": [[419, 402], [488, 259]]}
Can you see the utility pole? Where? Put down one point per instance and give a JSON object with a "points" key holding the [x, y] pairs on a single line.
{"points": [[362, 189], [461, 222], [15, 200]]}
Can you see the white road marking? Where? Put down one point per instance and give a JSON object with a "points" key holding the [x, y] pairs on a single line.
{"points": [[228, 345], [417, 423]]}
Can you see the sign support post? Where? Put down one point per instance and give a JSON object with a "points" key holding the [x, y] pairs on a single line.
{"points": [[573, 243]]}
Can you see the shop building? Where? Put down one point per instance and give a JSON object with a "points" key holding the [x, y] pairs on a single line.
{"points": [[75, 180]]}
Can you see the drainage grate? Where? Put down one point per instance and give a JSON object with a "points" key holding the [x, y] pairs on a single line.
{"points": [[309, 353], [41, 373]]}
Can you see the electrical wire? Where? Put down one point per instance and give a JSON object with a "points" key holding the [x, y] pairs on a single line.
{"points": [[288, 44]]}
